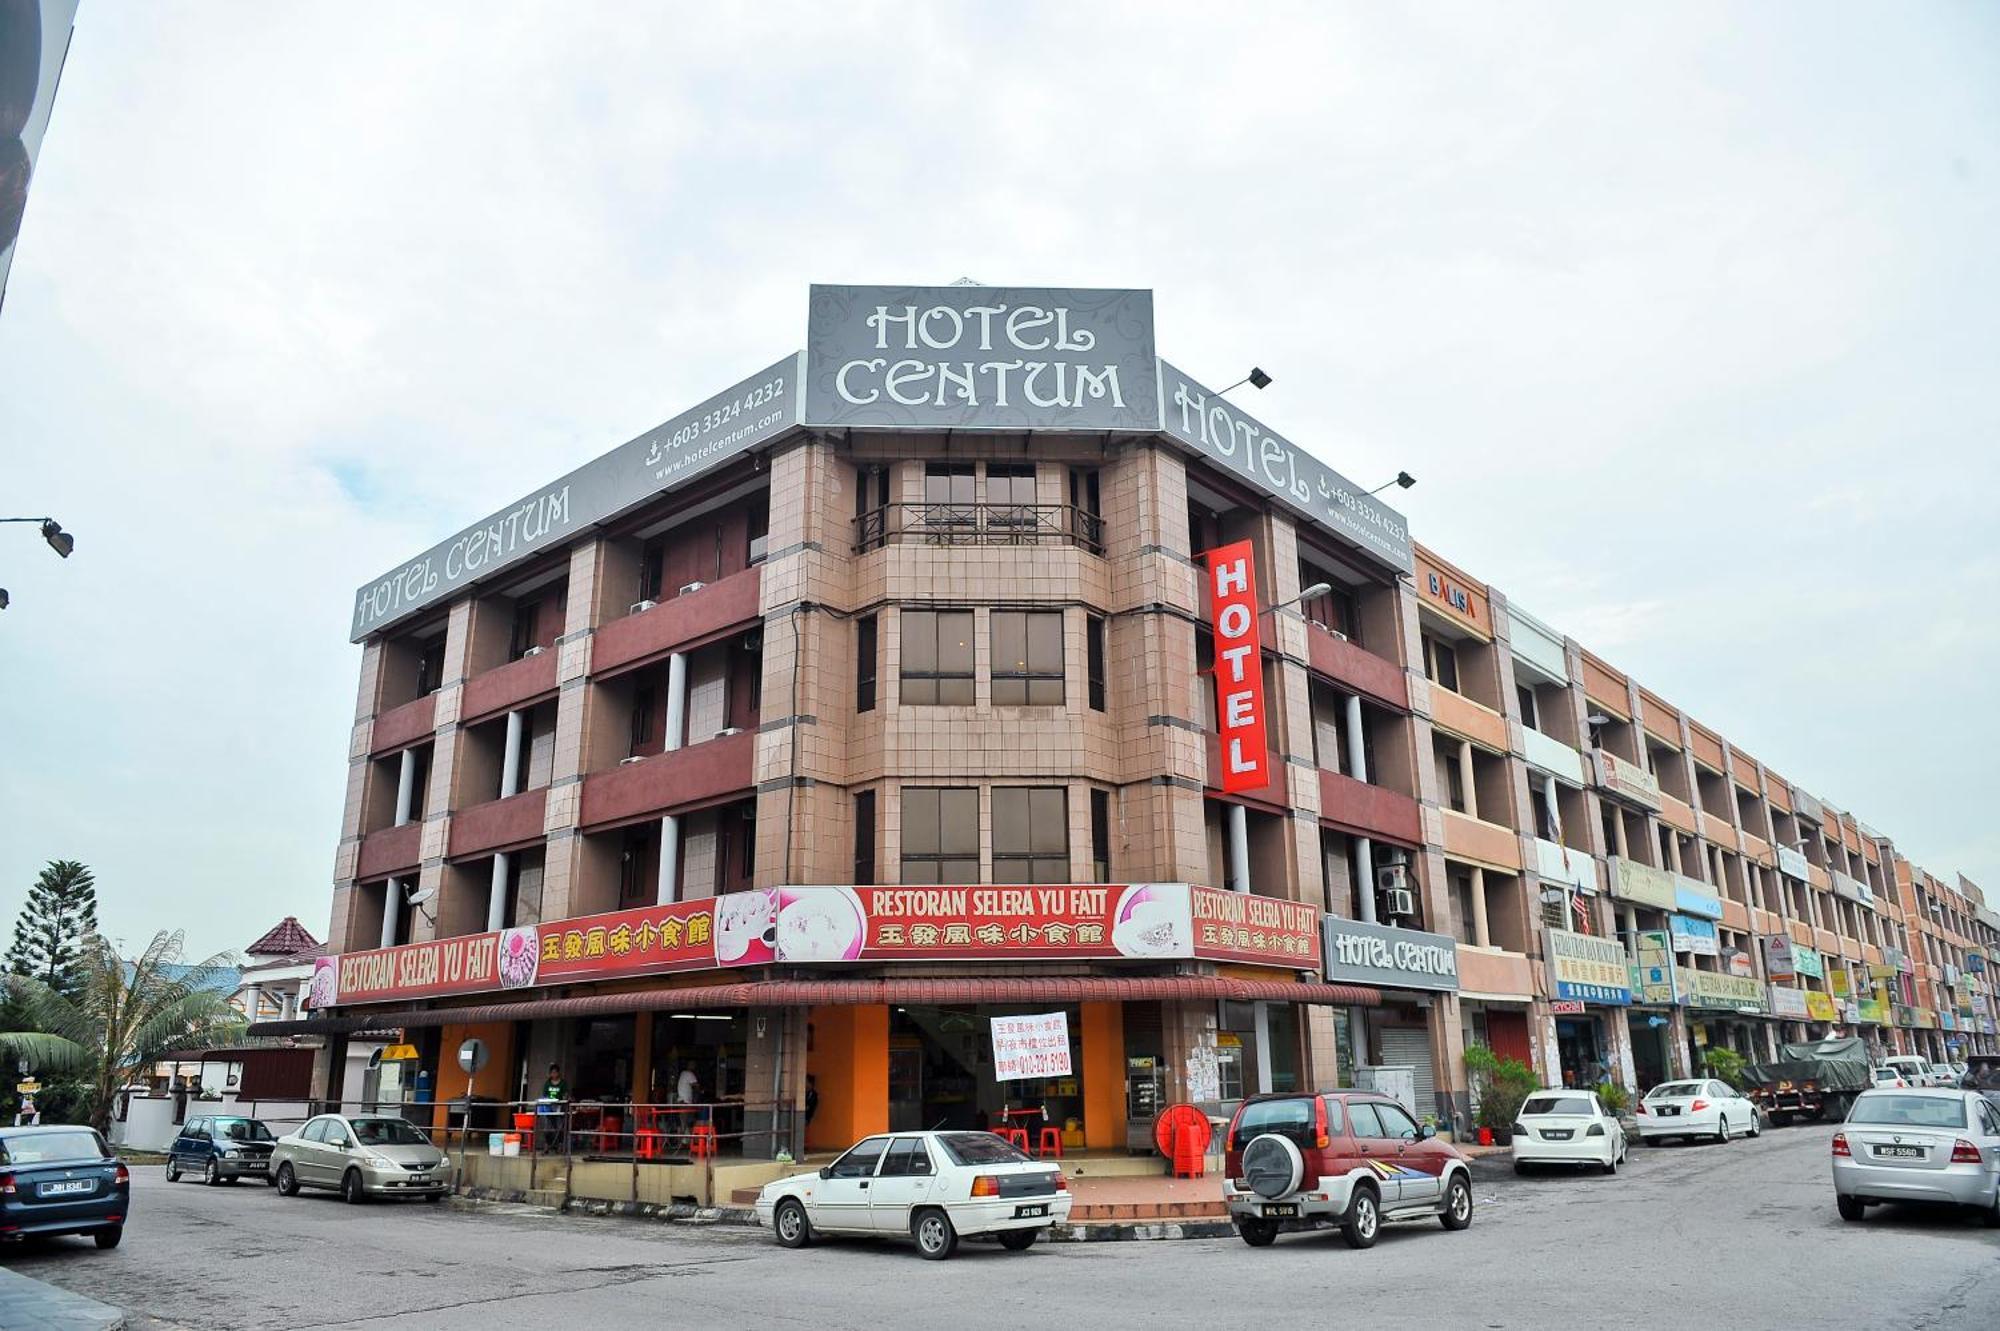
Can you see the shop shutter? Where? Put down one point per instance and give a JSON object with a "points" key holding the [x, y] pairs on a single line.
{"points": [[1412, 1045]]}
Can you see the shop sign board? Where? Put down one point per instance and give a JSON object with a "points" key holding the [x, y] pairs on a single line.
{"points": [[1788, 1002], [981, 358], [665, 457], [1627, 780], [1031, 1047], [1711, 989], [1642, 884], [1691, 935], [1808, 961], [1375, 954], [1587, 968], [1040, 922], [1239, 666], [1737, 962], [1566, 1007], [1556, 863], [1820, 1007], [1848, 886], [1779, 960], [1658, 981], [1792, 863], [1693, 897], [1238, 442]]}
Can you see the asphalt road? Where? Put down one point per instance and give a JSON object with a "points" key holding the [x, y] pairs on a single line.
{"points": [[1741, 1236]]}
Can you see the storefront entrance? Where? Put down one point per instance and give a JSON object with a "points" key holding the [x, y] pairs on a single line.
{"points": [[1649, 1032], [941, 1073], [1580, 1050]]}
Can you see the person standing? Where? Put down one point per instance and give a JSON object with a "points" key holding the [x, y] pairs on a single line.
{"points": [[555, 1092]]}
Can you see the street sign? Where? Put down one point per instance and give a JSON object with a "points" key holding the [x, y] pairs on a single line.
{"points": [[472, 1056], [28, 1087]]}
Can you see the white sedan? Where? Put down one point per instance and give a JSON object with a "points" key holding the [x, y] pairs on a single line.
{"points": [[1706, 1108], [934, 1187], [1567, 1128]]}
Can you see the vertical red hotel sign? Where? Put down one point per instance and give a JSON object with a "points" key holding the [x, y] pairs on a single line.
{"points": [[1239, 667]]}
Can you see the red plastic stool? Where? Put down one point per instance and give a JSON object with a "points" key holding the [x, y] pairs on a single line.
{"points": [[703, 1143], [1051, 1144], [1015, 1137]]}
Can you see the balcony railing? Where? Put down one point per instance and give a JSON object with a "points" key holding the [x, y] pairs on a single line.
{"points": [[979, 524]]}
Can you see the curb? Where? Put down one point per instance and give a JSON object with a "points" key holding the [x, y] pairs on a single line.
{"points": [[1128, 1231], [28, 1302]]}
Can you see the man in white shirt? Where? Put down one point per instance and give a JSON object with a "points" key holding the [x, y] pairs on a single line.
{"points": [[688, 1090]]}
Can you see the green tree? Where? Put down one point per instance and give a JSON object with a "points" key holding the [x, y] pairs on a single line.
{"points": [[55, 922], [125, 1017], [1725, 1064]]}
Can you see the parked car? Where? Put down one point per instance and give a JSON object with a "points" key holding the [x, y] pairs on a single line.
{"points": [[221, 1147], [1888, 1079], [1689, 1109], [1567, 1128], [1929, 1145], [934, 1187], [1982, 1074], [1915, 1068], [1944, 1074], [62, 1180], [360, 1156], [1350, 1159]]}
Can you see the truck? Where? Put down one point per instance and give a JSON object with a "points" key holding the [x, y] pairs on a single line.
{"points": [[1812, 1080]]}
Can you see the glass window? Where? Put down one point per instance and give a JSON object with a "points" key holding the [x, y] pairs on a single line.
{"points": [[860, 1162], [314, 1131], [864, 836], [864, 664], [1027, 658], [1100, 836], [1093, 660], [1293, 1119], [937, 657], [979, 1148], [1910, 1111], [388, 1132], [940, 834], [1443, 663], [1396, 1121], [1030, 834], [1010, 483], [906, 1158], [1676, 1090], [1556, 1104], [34, 1148], [949, 483], [1362, 1116]]}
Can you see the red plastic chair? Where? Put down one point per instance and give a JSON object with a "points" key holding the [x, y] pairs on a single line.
{"points": [[1015, 1137], [609, 1130], [649, 1143], [1050, 1144], [703, 1142]]}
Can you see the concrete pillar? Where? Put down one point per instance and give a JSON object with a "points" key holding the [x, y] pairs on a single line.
{"points": [[670, 860], [1261, 1018], [1629, 914], [496, 895], [392, 900], [510, 762], [1481, 932], [1357, 751], [406, 786], [1239, 846], [1625, 1072], [1618, 838], [1364, 873], [677, 697], [1465, 778], [1674, 853]]}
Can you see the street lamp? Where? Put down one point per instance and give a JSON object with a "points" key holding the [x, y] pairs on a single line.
{"points": [[1401, 478], [1256, 379], [59, 541]]}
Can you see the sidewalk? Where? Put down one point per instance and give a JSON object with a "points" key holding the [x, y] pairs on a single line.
{"points": [[30, 1305]]}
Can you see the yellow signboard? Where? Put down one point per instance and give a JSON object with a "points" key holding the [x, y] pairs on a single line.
{"points": [[1820, 1006]]}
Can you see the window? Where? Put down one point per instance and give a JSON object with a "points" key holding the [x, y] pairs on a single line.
{"points": [[760, 528], [940, 834], [1100, 835], [1440, 663], [1027, 658], [527, 629], [1545, 816], [949, 485], [864, 836], [1396, 1121], [864, 664], [1030, 834], [1361, 1116], [1530, 718], [937, 657], [979, 1148], [1093, 662], [1011, 484], [642, 725], [907, 1158], [1337, 610], [430, 669], [1461, 900], [860, 1162]]}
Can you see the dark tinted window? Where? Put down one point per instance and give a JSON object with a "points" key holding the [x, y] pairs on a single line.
{"points": [[241, 1129], [860, 1162], [1396, 1121], [979, 1148], [1556, 1104], [906, 1158], [1362, 1116], [864, 664], [388, 1132], [1288, 1118]]}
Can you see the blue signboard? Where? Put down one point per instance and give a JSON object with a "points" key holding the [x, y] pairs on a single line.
{"points": [[1692, 935], [1691, 901]]}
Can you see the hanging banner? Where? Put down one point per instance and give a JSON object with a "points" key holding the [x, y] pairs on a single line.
{"points": [[1698, 937], [1820, 1006], [1655, 969], [1028, 1048], [1239, 666]]}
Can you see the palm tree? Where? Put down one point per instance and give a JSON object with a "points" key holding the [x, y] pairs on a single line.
{"points": [[125, 1018]]}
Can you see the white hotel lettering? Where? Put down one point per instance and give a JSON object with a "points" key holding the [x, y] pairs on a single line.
{"points": [[1005, 381]]}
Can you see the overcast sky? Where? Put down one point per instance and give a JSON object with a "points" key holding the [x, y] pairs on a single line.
{"points": [[1686, 321]]}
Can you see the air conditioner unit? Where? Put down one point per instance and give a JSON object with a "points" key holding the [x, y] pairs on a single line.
{"points": [[1392, 878], [692, 587], [533, 651], [640, 607], [1400, 902]]}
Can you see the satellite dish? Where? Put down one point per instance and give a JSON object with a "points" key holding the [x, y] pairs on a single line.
{"points": [[423, 896]]}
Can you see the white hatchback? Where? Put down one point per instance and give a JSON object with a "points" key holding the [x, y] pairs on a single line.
{"points": [[933, 1187], [1705, 1108], [1567, 1128]]}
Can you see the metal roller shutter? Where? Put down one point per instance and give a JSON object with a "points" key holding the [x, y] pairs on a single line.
{"points": [[1412, 1045]]}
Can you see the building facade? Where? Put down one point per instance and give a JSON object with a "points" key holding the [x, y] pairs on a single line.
{"points": [[914, 683]]}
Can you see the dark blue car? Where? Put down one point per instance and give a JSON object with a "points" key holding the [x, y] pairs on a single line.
{"points": [[221, 1147], [61, 1180]]}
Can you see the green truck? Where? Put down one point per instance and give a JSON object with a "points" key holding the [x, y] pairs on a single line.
{"points": [[1815, 1080]]}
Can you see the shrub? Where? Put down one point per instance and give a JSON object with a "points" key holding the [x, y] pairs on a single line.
{"points": [[1725, 1065], [1613, 1097], [1503, 1083]]}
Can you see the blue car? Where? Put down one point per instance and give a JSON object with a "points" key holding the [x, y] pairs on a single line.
{"points": [[221, 1147], [61, 1180]]}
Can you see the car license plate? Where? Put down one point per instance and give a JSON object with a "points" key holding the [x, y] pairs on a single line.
{"points": [[1668, 1111], [1280, 1210], [1901, 1152], [1026, 1212], [64, 1189], [1562, 1136]]}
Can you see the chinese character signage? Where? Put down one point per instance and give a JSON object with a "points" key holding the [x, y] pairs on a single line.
{"points": [[1587, 968], [1239, 666], [1239, 926], [1025, 1048], [1712, 989], [1788, 1002]]}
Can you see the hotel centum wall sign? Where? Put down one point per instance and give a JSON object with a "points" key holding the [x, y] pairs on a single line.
{"points": [[1239, 667]]}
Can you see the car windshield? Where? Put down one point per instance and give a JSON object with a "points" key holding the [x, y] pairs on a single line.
{"points": [[242, 1129], [1909, 1111], [34, 1148], [1674, 1090], [1557, 1104], [387, 1132], [1886, 1074], [979, 1148]]}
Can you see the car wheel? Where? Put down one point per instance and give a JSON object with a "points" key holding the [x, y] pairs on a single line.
{"points": [[271, 1178], [1018, 1240], [1257, 1233], [173, 1171], [211, 1173], [1364, 1219], [1610, 1165], [1851, 1208], [790, 1225], [352, 1190], [288, 1182], [1457, 1213], [1520, 1166], [1722, 1130], [1990, 1217], [110, 1236], [936, 1239], [1756, 1125]]}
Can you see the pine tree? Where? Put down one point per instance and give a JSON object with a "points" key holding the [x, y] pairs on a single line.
{"points": [[60, 913]]}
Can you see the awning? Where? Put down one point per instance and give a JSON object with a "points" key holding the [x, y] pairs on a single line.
{"points": [[836, 993]]}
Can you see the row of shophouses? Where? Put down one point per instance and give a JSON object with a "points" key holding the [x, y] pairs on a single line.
{"points": [[792, 742]]}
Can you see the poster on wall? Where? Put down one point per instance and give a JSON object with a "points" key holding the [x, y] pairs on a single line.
{"points": [[1031, 1047], [1203, 1074]]}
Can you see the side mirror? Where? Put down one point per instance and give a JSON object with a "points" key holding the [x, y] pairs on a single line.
{"points": [[1426, 1131], [826, 1171]]}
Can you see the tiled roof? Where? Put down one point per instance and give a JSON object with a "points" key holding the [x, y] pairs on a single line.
{"points": [[287, 938]]}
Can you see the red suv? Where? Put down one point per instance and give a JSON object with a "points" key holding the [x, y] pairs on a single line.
{"points": [[1346, 1158]]}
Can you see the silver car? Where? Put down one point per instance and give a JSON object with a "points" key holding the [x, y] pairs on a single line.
{"points": [[1918, 1145], [360, 1156]]}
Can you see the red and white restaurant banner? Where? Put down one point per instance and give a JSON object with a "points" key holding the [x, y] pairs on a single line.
{"points": [[1239, 666], [811, 925]]}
